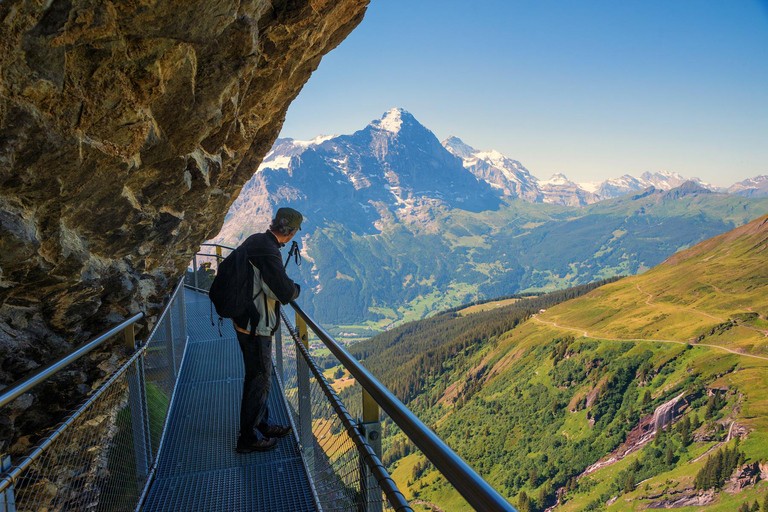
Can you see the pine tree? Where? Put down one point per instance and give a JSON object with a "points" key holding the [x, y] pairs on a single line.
{"points": [[685, 431], [765, 503], [523, 502], [629, 483], [533, 476], [543, 492], [647, 397], [670, 456]]}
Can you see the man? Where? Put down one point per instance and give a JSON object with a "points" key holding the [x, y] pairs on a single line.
{"points": [[271, 287]]}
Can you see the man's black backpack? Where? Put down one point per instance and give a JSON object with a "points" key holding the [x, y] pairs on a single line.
{"points": [[231, 292]]}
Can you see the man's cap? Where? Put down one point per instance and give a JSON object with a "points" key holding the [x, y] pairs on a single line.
{"points": [[293, 217]]}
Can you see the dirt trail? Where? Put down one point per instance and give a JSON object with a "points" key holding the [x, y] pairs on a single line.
{"points": [[718, 445], [587, 335], [690, 310]]}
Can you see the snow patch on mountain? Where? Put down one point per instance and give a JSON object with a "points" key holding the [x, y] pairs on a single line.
{"points": [[314, 142], [392, 120], [507, 176], [276, 162], [589, 186]]}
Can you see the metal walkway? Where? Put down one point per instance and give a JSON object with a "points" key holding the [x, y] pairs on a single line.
{"points": [[199, 469]]}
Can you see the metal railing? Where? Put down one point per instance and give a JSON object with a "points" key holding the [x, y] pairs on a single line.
{"points": [[102, 456], [342, 456], [478, 493], [342, 459], [338, 457]]}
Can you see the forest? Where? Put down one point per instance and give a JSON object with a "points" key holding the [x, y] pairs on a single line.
{"points": [[407, 357]]}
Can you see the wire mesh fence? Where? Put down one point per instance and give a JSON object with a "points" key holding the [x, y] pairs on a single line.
{"points": [[203, 267], [101, 456], [330, 439]]}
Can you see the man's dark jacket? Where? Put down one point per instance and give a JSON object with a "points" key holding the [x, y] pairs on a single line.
{"points": [[264, 253]]}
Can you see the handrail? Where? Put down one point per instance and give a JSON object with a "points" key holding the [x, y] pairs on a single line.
{"points": [[209, 255], [53, 434], [56, 431], [387, 485], [218, 245], [480, 495], [25, 384]]}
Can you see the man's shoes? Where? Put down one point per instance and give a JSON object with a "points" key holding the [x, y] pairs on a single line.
{"points": [[255, 445], [274, 430]]}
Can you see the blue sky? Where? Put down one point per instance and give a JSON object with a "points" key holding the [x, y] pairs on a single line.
{"points": [[593, 89]]}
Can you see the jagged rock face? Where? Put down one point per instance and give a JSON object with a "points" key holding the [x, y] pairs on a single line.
{"points": [[126, 131]]}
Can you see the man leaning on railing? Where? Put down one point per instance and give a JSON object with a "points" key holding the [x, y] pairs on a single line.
{"points": [[271, 287]]}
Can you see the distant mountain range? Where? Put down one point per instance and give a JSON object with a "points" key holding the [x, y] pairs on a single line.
{"points": [[509, 178], [399, 224]]}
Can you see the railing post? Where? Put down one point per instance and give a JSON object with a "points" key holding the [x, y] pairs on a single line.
{"points": [[194, 269], [305, 399], [370, 428], [171, 353], [181, 303], [218, 253], [279, 353], [7, 499], [138, 402]]}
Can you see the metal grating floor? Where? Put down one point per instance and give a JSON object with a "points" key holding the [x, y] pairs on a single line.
{"points": [[199, 469]]}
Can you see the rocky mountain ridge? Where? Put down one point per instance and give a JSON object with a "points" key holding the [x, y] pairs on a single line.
{"points": [[507, 177]]}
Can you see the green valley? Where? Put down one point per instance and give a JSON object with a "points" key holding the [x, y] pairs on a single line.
{"points": [[440, 257], [641, 393]]}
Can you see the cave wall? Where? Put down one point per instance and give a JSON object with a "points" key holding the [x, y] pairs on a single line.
{"points": [[127, 128]]}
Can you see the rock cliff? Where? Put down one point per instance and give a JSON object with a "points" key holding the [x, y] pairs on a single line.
{"points": [[126, 131]]}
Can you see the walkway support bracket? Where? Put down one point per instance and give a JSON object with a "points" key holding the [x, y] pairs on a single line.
{"points": [[137, 399], [7, 499], [305, 396]]}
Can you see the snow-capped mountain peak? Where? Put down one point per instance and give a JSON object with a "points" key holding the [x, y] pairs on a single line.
{"points": [[557, 179], [397, 160], [458, 147], [753, 187], [392, 121]]}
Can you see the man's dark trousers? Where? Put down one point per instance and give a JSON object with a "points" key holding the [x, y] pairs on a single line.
{"points": [[257, 356]]}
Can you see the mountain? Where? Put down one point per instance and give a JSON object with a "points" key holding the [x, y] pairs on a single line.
{"points": [[666, 180], [754, 187], [398, 226], [627, 184], [622, 398], [508, 176], [359, 180], [511, 179], [615, 187], [560, 190]]}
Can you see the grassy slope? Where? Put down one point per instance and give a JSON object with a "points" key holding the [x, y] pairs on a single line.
{"points": [[686, 296], [683, 298]]}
